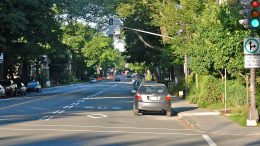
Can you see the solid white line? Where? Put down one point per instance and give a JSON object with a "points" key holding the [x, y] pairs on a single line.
{"points": [[77, 126], [76, 103], [209, 140], [73, 104], [97, 131]]}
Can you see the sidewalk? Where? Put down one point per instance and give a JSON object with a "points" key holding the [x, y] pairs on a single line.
{"points": [[204, 120]]}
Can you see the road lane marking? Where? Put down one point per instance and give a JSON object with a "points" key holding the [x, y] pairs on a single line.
{"points": [[49, 118], [100, 131], [46, 118], [68, 107], [106, 127], [73, 104], [109, 98], [56, 111], [90, 107], [97, 116], [43, 98], [209, 140], [116, 108], [61, 112]]}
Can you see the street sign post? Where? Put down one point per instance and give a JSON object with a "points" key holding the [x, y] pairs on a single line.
{"points": [[252, 61]]}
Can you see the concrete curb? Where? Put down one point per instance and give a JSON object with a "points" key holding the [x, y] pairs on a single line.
{"points": [[183, 114]]}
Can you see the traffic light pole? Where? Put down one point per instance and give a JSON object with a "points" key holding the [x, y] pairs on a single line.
{"points": [[253, 116]]}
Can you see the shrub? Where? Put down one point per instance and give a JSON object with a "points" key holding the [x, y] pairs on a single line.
{"points": [[236, 93], [210, 91]]}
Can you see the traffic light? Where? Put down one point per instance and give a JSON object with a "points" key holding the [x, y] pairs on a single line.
{"points": [[251, 13], [254, 14]]}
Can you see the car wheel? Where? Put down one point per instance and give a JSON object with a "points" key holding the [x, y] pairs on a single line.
{"points": [[169, 113]]}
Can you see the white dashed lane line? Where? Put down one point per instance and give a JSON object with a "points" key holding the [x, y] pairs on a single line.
{"points": [[89, 107], [68, 107], [56, 111], [46, 118]]}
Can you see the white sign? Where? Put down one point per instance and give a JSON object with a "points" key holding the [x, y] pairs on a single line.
{"points": [[251, 46], [252, 61]]}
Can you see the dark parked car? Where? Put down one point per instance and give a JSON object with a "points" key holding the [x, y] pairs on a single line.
{"points": [[2, 91], [152, 97], [21, 89], [10, 87], [33, 86], [117, 79]]}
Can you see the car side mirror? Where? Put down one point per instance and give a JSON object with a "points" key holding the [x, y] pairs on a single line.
{"points": [[133, 91]]}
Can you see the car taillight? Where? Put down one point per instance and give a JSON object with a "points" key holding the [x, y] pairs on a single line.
{"points": [[138, 97], [168, 97]]}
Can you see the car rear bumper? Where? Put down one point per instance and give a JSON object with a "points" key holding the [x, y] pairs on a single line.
{"points": [[154, 106]]}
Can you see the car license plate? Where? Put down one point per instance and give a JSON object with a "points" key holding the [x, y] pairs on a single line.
{"points": [[153, 98]]}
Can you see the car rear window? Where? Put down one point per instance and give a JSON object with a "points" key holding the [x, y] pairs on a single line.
{"points": [[152, 89]]}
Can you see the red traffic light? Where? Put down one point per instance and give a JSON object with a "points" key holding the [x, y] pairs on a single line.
{"points": [[255, 4]]}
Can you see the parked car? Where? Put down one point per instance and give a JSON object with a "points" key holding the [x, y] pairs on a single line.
{"points": [[33, 86], [92, 80], [21, 89], [152, 97], [2, 91], [117, 79], [10, 87]]}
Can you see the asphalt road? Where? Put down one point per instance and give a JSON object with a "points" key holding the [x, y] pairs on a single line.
{"points": [[90, 114]]}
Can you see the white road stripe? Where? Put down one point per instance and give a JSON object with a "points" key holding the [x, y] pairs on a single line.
{"points": [[78, 126], [99, 131], [49, 118], [116, 108], [209, 140], [45, 117], [62, 111], [76, 103], [89, 107], [56, 111], [109, 98], [71, 107], [73, 103]]}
